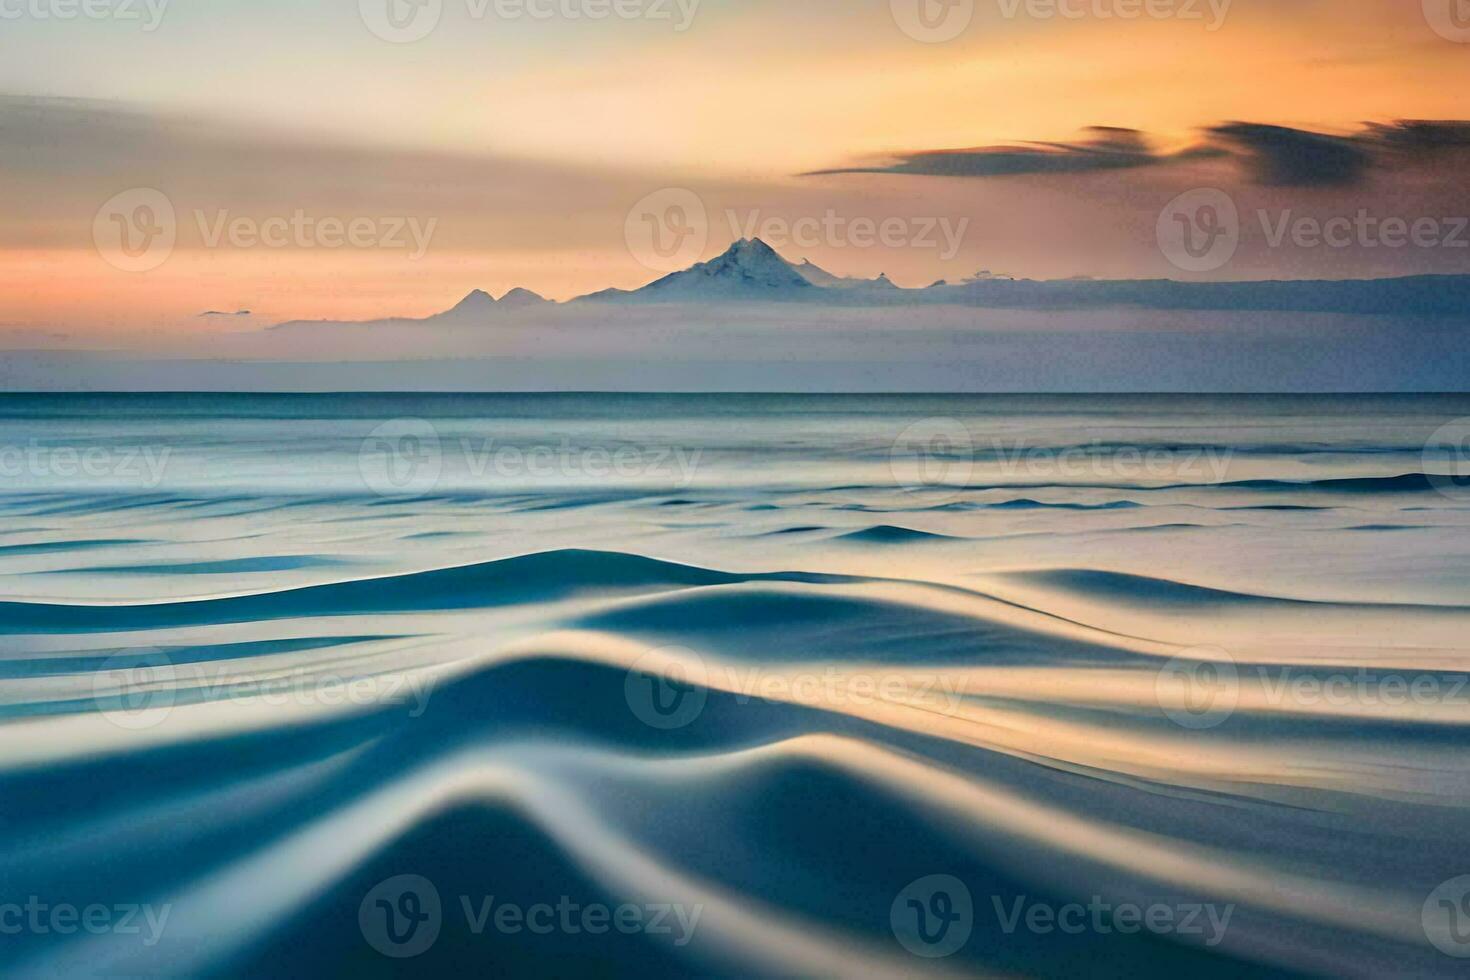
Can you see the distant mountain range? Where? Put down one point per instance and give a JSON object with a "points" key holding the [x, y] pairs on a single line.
{"points": [[750, 271], [478, 303]]}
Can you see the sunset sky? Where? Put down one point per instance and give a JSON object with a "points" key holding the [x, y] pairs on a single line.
{"points": [[526, 141]]}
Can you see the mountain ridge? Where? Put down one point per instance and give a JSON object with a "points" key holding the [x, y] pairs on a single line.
{"points": [[751, 272]]}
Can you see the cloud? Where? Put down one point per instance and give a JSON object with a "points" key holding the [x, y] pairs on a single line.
{"points": [[1267, 155], [1283, 157], [61, 159], [1105, 148], [1088, 206], [1422, 135]]}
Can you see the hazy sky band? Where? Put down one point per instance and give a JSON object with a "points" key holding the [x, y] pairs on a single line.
{"points": [[526, 135]]}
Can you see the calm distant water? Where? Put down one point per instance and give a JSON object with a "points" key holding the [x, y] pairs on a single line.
{"points": [[577, 685]]}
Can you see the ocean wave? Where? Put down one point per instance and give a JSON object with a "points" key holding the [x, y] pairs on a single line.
{"points": [[247, 708]]}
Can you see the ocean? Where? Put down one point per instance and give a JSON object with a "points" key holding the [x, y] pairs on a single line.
{"points": [[734, 686]]}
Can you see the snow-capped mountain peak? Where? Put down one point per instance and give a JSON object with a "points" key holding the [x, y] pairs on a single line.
{"points": [[748, 269]]}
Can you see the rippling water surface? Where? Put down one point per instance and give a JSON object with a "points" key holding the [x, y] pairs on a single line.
{"points": [[734, 686]]}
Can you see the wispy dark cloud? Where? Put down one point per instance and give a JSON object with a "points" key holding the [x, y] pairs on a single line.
{"points": [[1105, 148], [1268, 155], [1421, 135], [1283, 157]]}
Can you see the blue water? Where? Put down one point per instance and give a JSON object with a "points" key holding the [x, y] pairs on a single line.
{"points": [[588, 685]]}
